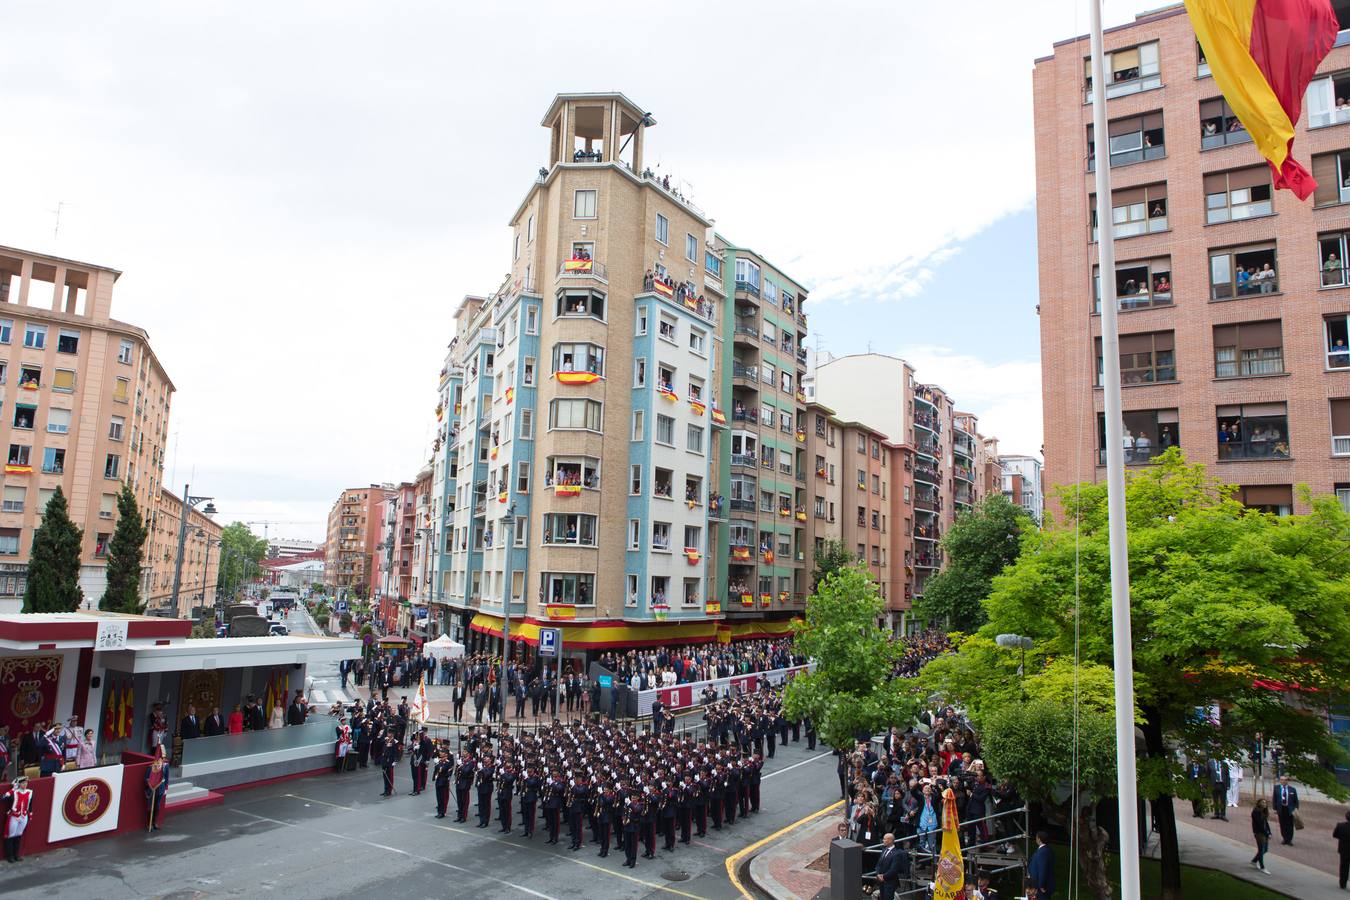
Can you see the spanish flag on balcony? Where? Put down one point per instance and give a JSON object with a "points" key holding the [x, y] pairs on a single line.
{"points": [[16, 469], [719, 417], [576, 377], [765, 600], [698, 407], [783, 596], [577, 265], [493, 454], [669, 394], [510, 395], [692, 554], [501, 498], [566, 490], [741, 553], [1262, 54], [712, 607], [747, 600], [665, 290], [560, 611], [768, 556]]}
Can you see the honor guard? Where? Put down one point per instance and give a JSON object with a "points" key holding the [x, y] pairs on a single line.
{"points": [[441, 776], [483, 780], [529, 799]]}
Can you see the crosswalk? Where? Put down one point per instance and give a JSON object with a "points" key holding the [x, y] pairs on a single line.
{"points": [[326, 696]]}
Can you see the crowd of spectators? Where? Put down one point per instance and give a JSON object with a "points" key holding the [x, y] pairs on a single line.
{"points": [[701, 662], [920, 649]]}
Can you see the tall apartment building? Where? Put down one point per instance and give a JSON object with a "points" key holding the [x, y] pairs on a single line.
{"points": [[585, 403], [350, 561], [1234, 301], [1022, 484], [88, 409], [289, 548], [201, 558]]}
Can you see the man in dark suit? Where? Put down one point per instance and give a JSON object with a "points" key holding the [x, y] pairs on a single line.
{"points": [[295, 713], [189, 728], [1218, 786], [1342, 835], [1041, 869], [1285, 802], [893, 864], [214, 724]]}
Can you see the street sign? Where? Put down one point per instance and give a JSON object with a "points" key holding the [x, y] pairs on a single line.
{"points": [[549, 639]]}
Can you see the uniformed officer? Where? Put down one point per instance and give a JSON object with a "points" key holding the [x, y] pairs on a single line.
{"points": [[441, 775], [529, 797], [684, 803], [506, 783], [464, 773], [554, 790], [632, 814], [575, 804], [669, 801], [649, 813], [483, 778], [389, 759], [604, 810]]}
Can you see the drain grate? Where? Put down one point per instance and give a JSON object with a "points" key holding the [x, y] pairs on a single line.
{"points": [[675, 875]]}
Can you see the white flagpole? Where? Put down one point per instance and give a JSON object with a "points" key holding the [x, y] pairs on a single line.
{"points": [[1115, 477]]}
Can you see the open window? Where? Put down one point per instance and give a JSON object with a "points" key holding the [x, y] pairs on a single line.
{"points": [[1219, 127], [1243, 271], [1128, 71], [24, 416], [572, 471], [1332, 171], [1134, 211], [1144, 358], [663, 483], [30, 377], [575, 302], [569, 528], [1252, 431], [1337, 336], [1331, 259], [1340, 427], [1139, 285], [1328, 100], [579, 358], [1133, 139], [1276, 499], [1240, 194]]}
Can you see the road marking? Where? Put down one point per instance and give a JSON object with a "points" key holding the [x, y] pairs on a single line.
{"points": [[318, 696], [488, 837], [710, 846], [735, 858], [510, 884], [795, 765]]}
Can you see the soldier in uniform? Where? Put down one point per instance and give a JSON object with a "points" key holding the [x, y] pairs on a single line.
{"points": [[604, 809], [483, 779], [632, 813], [417, 765], [344, 744], [389, 759], [17, 805], [441, 775], [464, 772], [669, 800], [506, 788], [810, 735], [731, 790], [753, 776], [684, 803], [575, 805], [554, 789], [716, 785], [701, 787], [649, 813]]}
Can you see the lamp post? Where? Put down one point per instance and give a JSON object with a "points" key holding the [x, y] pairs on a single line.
{"points": [[508, 523], [206, 566], [189, 503], [1017, 642]]}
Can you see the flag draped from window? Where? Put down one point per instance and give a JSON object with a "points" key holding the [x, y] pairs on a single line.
{"points": [[1262, 54]]}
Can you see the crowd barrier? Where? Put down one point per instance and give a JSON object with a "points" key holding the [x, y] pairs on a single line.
{"points": [[684, 696]]}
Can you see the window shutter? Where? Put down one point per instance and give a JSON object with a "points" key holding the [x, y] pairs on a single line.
{"points": [[1340, 417], [1267, 495], [1257, 335], [1324, 170]]}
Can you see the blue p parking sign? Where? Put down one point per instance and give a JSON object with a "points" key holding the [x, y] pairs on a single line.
{"points": [[548, 641]]}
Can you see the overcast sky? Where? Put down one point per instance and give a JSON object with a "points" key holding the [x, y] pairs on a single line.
{"points": [[299, 193]]}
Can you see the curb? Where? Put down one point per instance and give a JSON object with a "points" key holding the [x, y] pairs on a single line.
{"points": [[758, 872]]}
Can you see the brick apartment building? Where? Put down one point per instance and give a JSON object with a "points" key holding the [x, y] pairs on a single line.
{"points": [[1234, 300], [350, 562]]}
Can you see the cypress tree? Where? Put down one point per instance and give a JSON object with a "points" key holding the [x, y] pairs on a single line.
{"points": [[125, 554], [54, 563]]}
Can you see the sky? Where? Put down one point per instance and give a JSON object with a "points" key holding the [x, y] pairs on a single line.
{"points": [[299, 194]]}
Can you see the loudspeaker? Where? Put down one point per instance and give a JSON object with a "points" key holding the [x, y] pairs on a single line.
{"points": [[95, 682]]}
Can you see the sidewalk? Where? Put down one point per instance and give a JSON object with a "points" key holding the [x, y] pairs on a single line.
{"points": [[1312, 847], [786, 869], [1202, 847]]}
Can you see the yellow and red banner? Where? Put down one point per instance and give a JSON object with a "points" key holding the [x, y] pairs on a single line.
{"points": [[510, 395], [698, 407], [493, 454], [16, 469], [1262, 54], [501, 497], [949, 880], [566, 490], [665, 290], [747, 600], [560, 611], [766, 600], [692, 554], [768, 556], [577, 265], [576, 377], [712, 607], [719, 417], [669, 394], [740, 553]]}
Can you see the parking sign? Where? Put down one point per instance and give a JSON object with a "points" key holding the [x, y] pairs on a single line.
{"points": [[548, 641]]}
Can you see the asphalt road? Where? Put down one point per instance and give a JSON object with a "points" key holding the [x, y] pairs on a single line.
{"points": [[329, 836]]}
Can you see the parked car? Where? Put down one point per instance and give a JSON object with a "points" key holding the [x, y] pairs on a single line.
{"points": [[278, 628]]}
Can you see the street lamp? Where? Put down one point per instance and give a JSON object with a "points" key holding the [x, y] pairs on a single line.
{"points": [[1017, 642], [508, 523], [189, 503]]}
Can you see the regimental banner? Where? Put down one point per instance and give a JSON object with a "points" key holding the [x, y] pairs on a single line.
{"points": [[950, 878], [85, 801], [28, 687], [740, 553]]}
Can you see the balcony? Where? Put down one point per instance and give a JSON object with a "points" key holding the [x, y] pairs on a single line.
{"points": [[1137, 455], [741, 505], [746, 373], [801, 355], [582, 267], [926, 533], [747, 289], [928, 448], [964, 473], [740, 413], [744, 459], [928, 561], [925, 395], [928, 504]]}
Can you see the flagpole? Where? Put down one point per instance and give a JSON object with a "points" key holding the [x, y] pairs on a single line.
{"points": [[1127, 798]]}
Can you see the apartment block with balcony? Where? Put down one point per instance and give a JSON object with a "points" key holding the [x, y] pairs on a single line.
{"points": [[1233, 299], [767, 484], [1022, 484], [354, 531], [201, 558], [443, 616], [87, 409]]}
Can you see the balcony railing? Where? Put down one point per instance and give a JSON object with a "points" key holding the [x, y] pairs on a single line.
{"points": [[747, 287], [1254, 448], [965, 473], [745, 415], [744, 459], [1136, 455], [746, 329], [582, 268], [748, 372]]}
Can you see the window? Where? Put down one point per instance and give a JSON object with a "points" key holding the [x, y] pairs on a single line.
{"points": [[637, 424], [743, 491], [7, 330], [695, 442], [9, 542], [1252, 431], [667, 326], [785, 422], [639, 372], [1132, 140], [691, 248], [1275, 499], [583, 205], [569, 589], [527, 424], [665, 378], [712, 265], [766, 415], [665, 430], [64, 381], [1144, 358], [19, 454], [661, 537], [692, 587], [1201, 63], [1332, 171], [569, 528], [1146, 434], [695, 388], [522, 477], [1243, 271], [1327, 100], [58, 421], [635, 480], [527, 372], [747, 276], [579, 302], [54, 460], [529, 229], [1134, 211], [67, 341], [641, 328], [120, 389], [1337, 333], [574, 414], [579, 358], [515, 246], [631, 587], [698, 342], [1240, 194], [662, 229], [1128, 71], [1249, 348], [785, 382], [24, 416], [663, 481], [1139, 285], [1340, 427], [1331, 257], [634, 534], [35, 336], [768, 455], [768, 374], [14, 497], [1219, 127]]}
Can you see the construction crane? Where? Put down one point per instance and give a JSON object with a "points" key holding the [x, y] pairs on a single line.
{"points": [[268, 523]]}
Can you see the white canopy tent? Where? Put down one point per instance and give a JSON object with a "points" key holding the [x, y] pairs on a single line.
{"points": [[443, 646]]}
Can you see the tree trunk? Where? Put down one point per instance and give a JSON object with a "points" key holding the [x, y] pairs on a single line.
{"points": [[1092, 842], [1164, 816]]}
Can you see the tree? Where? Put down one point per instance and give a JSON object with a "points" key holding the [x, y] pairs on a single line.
{"points": [[204, 629], [832, 557], [54, 563], [126, 550], [981, 544], [851, 690], [241, 552], [1226, 603]]}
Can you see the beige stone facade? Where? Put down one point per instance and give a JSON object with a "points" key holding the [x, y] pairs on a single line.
{"points": [[201, 558], [85, 406], [1242, 370]]}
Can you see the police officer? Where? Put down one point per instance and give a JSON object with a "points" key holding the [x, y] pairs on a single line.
{"points": [[441, 775]]}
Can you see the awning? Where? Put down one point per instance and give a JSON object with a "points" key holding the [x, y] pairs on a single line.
{"points": [[236, 653], [617, 633]]}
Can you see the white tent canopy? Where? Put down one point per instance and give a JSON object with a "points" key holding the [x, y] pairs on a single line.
{"points": [[443, 646]]}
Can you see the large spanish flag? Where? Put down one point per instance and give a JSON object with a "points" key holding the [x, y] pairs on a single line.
{"points": [[1262, 54]]}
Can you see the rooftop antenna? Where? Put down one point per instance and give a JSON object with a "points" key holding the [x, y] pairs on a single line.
{"points": [[56, 228]]}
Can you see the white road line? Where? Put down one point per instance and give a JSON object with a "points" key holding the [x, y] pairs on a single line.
{"points": [[795, 765], [345, 837], [319, 696]]}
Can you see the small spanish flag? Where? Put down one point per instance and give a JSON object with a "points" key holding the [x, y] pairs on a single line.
{"points": [[1262, 54]]}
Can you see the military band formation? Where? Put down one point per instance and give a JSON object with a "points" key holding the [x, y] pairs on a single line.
{"points": [[612, 784]]}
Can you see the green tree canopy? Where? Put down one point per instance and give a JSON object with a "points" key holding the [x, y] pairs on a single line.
{"points": [[54, 562], [851, 690], [831, 557], [241, 552], [980, 544], [126, 551]]}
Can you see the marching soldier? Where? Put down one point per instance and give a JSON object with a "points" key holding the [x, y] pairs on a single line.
{"points": [[17, 805], [810, 734], [389, 759], [701, 787], [483, 778], [506, 782], [464, 773], [441, 775], [668, 804], [648, 823], [344, 744], [684, 796], [417, 766], [753, 777], [575, 805], [604, 805], [632, 813], [529, 797], [554, 789]]}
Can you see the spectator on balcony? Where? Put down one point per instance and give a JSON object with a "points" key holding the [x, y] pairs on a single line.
{"points": [[1162, 285], [1331, 270], [648, 281], [1142, 446], [1265, 279], [1244, 278], [1127, 443], [1165, 438]]}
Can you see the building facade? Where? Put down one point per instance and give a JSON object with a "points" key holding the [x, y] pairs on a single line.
{"points": [[1234, 299], [1022, 484], [350, 562], [290, 548], [88, 409], [201, 559]]}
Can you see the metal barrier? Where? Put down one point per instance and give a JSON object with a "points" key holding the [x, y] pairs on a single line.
{"points": [[686, 696], [989, 863]]}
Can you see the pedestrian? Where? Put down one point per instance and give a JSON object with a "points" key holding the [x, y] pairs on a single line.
{"points": [[1261, 833], [1342, 835], [1285, 802]]}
